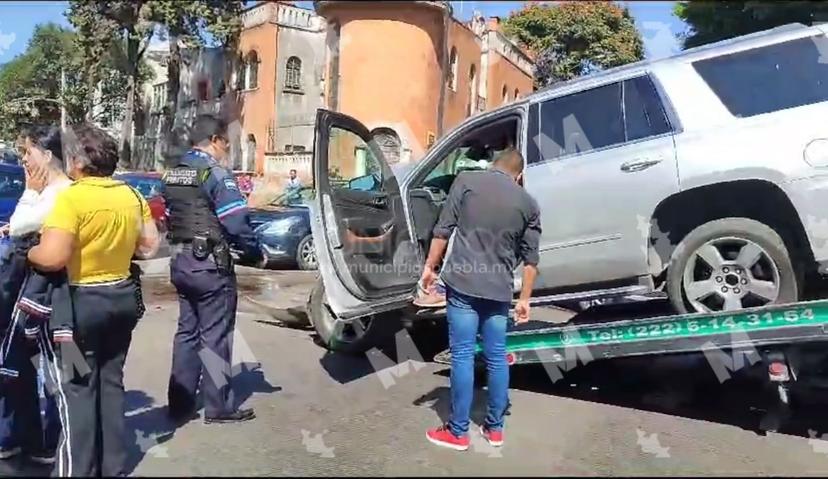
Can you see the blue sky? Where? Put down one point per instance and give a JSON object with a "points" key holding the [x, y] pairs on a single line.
{"points": [[655, 21]]}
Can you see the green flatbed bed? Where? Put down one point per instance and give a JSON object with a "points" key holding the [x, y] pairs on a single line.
{"points": [[750, 328]]}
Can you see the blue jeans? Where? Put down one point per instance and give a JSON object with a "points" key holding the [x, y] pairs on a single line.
{"points": [[466, 315]]}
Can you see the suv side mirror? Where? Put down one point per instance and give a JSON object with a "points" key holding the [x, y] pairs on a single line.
{"points": [[364, 183]]}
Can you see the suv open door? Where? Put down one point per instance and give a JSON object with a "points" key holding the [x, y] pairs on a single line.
{"points": [[367, 259]]}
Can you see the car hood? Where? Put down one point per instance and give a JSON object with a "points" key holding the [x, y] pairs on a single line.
{"points": [[268, 213]]}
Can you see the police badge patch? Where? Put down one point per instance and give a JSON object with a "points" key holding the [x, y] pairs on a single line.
{"points": [[230, 184], [182, 177]]}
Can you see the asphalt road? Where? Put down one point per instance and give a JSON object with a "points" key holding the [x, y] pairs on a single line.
{"points": [[327, 414]]}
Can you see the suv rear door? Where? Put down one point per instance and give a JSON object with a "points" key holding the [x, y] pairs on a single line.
{"points": [[601, 161], [367, 259]]}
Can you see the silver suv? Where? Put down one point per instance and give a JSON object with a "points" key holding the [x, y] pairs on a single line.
{"points": [[702, 177]]}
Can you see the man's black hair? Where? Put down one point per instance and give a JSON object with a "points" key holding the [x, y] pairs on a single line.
{"points": [[205, 128]]}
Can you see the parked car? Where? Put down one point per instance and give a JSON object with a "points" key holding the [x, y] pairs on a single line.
{"points": [[283, 229], [702, 177], [9, 156], [150, 185], [12, 185]]}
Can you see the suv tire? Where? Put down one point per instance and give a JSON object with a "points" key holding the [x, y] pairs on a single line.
{"points": [[747, 231], [374, 330]]}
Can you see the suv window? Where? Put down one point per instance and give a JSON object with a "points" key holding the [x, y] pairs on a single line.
{"points": [[594, 119], [581, 122], [11, 185], [644, 114], [770, 78]]}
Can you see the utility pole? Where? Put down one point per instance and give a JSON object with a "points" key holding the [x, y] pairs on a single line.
{"points": [[62, 100]]}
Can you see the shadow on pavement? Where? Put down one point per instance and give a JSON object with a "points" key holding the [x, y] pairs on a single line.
{"points": [[428, 339], [679, 385], [20, 467], [682, 385], [251, 380], [148, 425]]}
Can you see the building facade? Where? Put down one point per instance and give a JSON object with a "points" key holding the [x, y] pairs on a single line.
{"points": [[408, 70]]}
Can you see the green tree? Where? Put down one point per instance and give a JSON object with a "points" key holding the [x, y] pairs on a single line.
{"points": [[31, 89], [123, 29], [713, 21], [117, 30], [575, 38]]}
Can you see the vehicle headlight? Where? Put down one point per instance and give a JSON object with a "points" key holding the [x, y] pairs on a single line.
{"points": [[278, 227]]}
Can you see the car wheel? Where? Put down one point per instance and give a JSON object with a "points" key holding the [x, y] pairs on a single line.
{"points": [[306, 254], [355, 337], [731, 264]]}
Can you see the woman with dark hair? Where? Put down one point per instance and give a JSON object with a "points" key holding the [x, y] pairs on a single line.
{"points": [[97, 226], [23, 427], [41, 151]]}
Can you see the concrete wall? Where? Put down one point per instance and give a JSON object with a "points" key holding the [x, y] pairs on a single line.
{"points": [[296, 110], [507, 68], [467, 45], [257, 106], [389, 67]]}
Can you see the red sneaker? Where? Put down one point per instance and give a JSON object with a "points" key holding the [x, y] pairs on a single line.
{"points": [[494, 438], [441, 436]]}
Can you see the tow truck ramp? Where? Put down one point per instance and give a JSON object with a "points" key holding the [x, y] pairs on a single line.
{"points": [[749, 329]]}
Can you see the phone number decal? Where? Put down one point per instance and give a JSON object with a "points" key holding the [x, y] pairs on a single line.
{"points": [[702, 326]]}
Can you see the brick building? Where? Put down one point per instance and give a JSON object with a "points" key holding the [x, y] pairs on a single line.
{"points": [[408, 70]]}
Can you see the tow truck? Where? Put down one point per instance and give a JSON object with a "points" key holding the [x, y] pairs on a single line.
{"points": [[782, 337]]}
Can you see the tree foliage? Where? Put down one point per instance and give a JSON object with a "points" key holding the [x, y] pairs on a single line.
{"points": [[30, 84], [713, 21], [122, 30], [571, 39]]}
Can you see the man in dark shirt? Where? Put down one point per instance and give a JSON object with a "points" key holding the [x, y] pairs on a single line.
{"points": [[496, 225]]}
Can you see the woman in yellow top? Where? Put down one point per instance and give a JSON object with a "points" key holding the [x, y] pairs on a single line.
{"points": [[94, 230]]}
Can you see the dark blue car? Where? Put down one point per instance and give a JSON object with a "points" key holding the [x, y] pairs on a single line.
{"points": [[283, 228], [12, 185]]}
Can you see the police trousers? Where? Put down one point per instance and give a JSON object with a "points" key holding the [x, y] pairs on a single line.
{"points": [[202, 349], [91, 370]]}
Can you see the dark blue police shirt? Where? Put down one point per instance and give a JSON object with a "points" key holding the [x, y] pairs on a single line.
{"points": [[229, 204]]}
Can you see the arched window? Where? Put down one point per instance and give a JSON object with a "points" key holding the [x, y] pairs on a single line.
{"points": [[252, 70], [389, 143], [293, 74], [452, 79], [472, 90], [505, 94], [517, 94]]}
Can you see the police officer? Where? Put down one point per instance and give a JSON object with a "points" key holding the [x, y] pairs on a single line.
{"points": [[206, 216]]}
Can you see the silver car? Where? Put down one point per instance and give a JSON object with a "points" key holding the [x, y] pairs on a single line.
{"points": [[702, 177]]}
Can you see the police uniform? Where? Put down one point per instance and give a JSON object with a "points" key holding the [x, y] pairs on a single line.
{"points": [[206, 216]]}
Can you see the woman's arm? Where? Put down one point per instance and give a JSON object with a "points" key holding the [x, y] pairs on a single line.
{"points": [[148, 241], [54, 251]]}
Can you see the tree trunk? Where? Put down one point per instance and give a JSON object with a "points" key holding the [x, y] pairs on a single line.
{"points": [[126, 126], [169, 142]]}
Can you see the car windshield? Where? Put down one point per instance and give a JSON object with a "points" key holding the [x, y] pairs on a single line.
{"points": [[148, 187], [293, 197], [12, 184]]}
